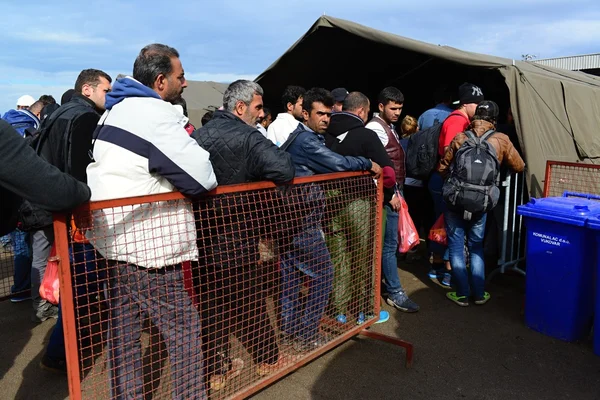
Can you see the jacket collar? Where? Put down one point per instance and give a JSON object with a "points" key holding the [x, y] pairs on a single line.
{"points": [[81, 99], [480, 127], [224, 114]]}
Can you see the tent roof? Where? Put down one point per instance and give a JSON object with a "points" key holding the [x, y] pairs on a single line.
{"points": [[443, 52], [557, 112]]}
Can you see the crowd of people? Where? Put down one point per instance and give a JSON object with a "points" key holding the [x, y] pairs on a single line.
{"points": [[132, 137]]}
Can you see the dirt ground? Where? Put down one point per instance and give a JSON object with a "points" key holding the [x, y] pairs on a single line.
{"points": [[460, 353]]}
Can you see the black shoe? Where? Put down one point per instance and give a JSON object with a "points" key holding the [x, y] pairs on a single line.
{"points": [[44, 313], [56, 365]]}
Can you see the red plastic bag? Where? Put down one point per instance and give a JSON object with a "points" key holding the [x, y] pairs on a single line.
{"points": [[408, 235], [49, 288], [437, 233]]}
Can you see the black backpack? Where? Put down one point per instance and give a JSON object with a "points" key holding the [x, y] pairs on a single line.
{"points": [[472, 188], [32, 218], [422, 151]]}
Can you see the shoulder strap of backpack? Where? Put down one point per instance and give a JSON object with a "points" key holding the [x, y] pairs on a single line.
{"points": [[487, 135], [471, 135], [45, 130]]}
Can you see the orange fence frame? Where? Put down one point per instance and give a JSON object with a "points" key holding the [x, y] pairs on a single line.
{"points": [[68, 306], [550, 177]]}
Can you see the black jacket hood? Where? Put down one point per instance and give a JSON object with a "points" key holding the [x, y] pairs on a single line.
{"points": [[343, 122]]}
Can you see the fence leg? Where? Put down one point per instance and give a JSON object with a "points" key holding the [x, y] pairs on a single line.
{"points": [[392, 340]]}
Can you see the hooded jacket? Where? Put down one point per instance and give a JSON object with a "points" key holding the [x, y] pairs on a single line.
{"points": [[348, 136], [142, 148], [21, 120]]}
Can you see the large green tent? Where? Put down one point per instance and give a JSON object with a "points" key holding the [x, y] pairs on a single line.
{"points": [[203, 96], [557, 112]]}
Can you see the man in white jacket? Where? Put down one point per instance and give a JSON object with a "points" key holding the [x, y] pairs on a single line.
{"points": [[142, 148], [287, 121]]}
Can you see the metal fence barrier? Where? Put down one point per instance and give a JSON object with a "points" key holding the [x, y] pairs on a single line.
{"points": [[512, 251], [245, 286], [572, 177], [15, 265]]}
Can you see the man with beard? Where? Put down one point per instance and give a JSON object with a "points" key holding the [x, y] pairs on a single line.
{"points": [[142, 148], [232, 301]]}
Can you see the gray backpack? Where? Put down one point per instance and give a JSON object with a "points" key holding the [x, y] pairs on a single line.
{"points": [[472, 188]]}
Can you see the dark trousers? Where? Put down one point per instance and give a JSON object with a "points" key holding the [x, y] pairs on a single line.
{"points": [[160, 295], [233, 302]]}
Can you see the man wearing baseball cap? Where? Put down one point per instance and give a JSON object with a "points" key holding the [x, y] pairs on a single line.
{"points": [[469, 96], [25, 102], [339, 95]]}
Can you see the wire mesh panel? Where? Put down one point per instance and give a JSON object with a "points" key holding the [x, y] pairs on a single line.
{"points": [[573, 177], [15, 265], [217, 298]]}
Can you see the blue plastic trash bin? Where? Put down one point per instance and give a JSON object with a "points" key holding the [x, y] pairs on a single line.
{"points": [[594, 224], [560, 266]]}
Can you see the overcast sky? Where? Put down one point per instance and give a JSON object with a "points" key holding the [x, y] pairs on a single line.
{"points": [[46, 44]]}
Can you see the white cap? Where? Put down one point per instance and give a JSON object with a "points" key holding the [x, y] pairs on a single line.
{"points": [[25, 101]]}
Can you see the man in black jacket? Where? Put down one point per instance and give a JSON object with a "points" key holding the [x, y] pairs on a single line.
{"points": [[348, 237], [239, 153], [66, 146]]}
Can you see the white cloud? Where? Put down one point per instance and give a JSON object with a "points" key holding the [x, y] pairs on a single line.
{"points": [[57, 37]]}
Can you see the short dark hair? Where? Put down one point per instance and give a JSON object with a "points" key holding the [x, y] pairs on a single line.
{"points": [[66, 97], [181, 101], [47, 99], [354, 101], [389, 94], [153, 60], [37, 107], [90, 77], [317, 95], [206, 117], [291, 94]]}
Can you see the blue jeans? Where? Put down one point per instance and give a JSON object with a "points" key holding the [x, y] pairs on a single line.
{"points": [[84, 261], [457, 228], [389, 262], [436, 182], [309, 257], [22, 253]]}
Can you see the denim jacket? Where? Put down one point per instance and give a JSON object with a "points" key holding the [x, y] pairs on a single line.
{"points": [[311, 156]]}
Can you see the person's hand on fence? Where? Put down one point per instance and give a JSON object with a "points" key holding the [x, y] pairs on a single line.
{"points": [[375, 169], [83, 218]]}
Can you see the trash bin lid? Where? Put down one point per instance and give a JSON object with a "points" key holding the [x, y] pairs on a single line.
{"points": [[569, 210]]}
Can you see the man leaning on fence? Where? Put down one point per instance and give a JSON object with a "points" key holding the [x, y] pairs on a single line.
{"points": [[239, 154], [309, 255], [349, 237], [142, 148]]}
